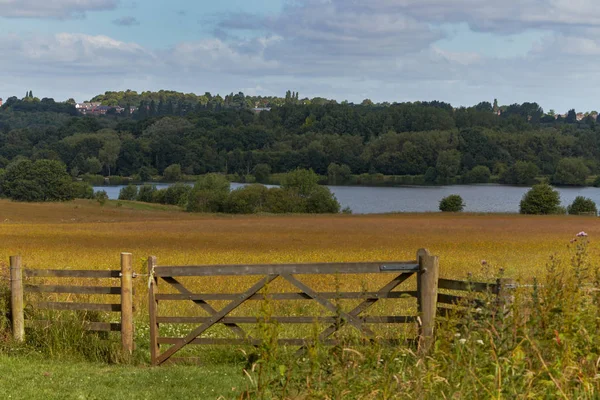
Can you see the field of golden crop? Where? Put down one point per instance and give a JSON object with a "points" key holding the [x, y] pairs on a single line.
{"points": [[85, 235]]}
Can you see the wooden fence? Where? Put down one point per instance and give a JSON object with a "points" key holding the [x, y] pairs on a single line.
{"points": [[124, 306], [434, 297]]}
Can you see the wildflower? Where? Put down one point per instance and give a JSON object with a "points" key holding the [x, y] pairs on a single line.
{"points": [[581, 234], [463, 341], [457, 335], [478, 310], [479, 341]]}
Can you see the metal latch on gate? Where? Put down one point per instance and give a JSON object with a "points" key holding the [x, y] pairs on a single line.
{"points": [[399, 267]]}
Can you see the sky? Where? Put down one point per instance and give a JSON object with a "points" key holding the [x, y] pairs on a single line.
{"points": [[459, 51]]}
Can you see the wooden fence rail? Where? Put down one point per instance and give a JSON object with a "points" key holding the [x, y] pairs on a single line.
{"points": [[124, 305]]}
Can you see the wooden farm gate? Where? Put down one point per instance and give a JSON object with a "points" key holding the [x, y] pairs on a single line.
{"points": [[425, 266], [124, 306]]}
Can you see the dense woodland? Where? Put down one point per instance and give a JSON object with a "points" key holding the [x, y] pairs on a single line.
{"points": [[418, 143]]}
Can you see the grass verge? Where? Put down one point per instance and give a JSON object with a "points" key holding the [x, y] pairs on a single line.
{"points": [[35, 378]]}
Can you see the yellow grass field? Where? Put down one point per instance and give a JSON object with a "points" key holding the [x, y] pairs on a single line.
{"points": [[85, 235]]}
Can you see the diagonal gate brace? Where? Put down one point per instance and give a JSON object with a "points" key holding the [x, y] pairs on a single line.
{"points": [[215, 318], [367, 303], [356, 322], [207, 307]]}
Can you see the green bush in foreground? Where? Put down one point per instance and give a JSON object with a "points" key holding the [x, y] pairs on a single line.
{"points": [[209, 194], [541, 199], [582, 205], [83, 190], [101, 197], [129, 192], [145, 193], [452, 203], [42, 180]]}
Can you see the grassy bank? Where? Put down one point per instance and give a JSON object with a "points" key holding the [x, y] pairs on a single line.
{"points": [[35, 378]]}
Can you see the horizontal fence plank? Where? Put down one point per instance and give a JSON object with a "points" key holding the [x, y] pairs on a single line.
{"points": [[451, 299], [70, 273], [466, 286], [250, 342], [278, 269], [286, 320], [287, 296], [257, 342], [87, 325], [46, 305], [72, 289]]}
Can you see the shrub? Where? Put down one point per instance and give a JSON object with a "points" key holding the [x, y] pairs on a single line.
{"points": [[172, 173], [42, 180], [83, 190], [279, 201], [209, 194], [129, 192], [540, 199], [452, 203], [322, 201], [582, 205], [301, 181], [177, 194], [303, 191], [250, 199], [101, 196], [145, 193], [158, 196]]}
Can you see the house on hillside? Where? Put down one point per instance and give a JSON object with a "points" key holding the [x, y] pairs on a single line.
{"points": [[258, 110]]}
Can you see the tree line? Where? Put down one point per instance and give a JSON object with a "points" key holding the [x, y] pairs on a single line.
{"points": [[367, 143]]}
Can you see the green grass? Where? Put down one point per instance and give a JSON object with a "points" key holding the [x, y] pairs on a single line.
{"points": [[35, 378], [138, 205]]}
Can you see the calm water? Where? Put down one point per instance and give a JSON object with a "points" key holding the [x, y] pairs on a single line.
{"points": [[478, 198]]}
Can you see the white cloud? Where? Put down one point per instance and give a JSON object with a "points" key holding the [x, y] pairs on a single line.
{"points": [[83, 54], [53, 8], [490, 15], [386, 50]]}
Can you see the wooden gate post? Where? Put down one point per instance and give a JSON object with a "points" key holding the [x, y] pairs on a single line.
{"points": [[126, 304], [16, 299], [153, 310], [427, 293]]}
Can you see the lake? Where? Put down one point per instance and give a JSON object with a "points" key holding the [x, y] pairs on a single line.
{"points": [[478, 198]]}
